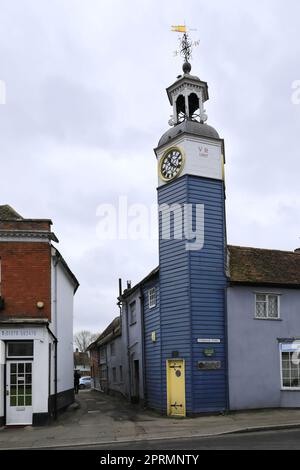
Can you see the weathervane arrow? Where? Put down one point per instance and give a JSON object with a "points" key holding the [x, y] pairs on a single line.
{"points": [[186, 44]]}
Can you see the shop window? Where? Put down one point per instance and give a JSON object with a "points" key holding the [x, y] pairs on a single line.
{"points": [[290, 366], [19, 349]]}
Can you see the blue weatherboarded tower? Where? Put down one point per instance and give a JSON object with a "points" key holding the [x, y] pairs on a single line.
{"points": [[185, 337]]}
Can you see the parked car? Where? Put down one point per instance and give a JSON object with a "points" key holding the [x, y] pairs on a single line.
{"points": [[85, 382]]}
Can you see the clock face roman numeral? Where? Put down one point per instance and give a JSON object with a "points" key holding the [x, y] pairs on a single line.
{"points": [[171, 164]]}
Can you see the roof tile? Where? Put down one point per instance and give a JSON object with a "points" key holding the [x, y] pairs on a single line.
{"points": [[262, 266]]}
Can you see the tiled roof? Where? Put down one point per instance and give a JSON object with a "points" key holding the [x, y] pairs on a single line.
{"points": [[254, 266], [8, 213], [112, 331], [262, 266], [81, 358]]}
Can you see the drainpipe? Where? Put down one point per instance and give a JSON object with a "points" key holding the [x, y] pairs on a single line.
{"points": [[143, 347], [128, 350], [55, 371], [226, 349], [55, 262]]}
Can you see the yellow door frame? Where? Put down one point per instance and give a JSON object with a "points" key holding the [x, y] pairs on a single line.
{"points": [[180, 389]]}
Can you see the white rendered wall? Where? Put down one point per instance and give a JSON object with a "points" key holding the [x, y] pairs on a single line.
{"points": [[63, 328], [203, 157], [52, 368], [2, 362], [40, 364], [40, 375]]}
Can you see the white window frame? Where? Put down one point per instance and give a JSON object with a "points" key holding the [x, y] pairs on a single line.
{"points": [[267, 294], [151, 296], [282, 387]]}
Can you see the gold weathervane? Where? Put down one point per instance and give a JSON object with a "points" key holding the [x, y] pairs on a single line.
{"points": [[186, 44]]}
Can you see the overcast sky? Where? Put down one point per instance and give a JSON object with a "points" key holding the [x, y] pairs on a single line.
{"points": [[86, 105]]}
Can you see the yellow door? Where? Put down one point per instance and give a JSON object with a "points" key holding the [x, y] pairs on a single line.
{"points": [[176, 387]]}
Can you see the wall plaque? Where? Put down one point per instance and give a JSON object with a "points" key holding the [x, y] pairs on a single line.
{"points": [[208, 341], [209, 352], [209, 365]]}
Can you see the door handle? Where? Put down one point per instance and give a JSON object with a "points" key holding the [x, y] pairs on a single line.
{"points": [[7, 392]]}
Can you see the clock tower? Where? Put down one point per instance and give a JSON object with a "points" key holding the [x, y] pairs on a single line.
{"points": [[192, 273]]}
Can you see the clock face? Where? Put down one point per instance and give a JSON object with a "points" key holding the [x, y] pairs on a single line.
{"points": [[171, 164]]}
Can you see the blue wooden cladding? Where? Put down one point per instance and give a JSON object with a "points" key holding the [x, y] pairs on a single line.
{"points": [[152, 369], [191, 301]]}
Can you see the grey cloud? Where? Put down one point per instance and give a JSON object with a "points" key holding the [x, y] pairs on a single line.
{"points": [[86, 106]]}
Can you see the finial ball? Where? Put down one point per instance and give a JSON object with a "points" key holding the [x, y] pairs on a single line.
{"points": [[186, 67]]}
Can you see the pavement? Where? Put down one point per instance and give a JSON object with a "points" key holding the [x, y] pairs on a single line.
{"points": [[104, 420]]}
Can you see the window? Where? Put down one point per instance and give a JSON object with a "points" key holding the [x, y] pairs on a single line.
{"points": [[290, 367], [267, 306], [121, 374], [132, 312], [20, 383], [20, 349], [114, 373], [112, 349], [103, 372], [102, 355], [152, 297]]}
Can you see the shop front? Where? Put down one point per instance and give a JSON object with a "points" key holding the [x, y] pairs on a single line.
{"points": [[26, 374]]}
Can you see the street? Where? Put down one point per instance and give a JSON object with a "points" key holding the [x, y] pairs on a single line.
{"points": [[274, 440], [103, 422]]}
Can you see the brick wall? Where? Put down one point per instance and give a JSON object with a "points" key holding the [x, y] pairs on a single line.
{"points": [[43, 225], [94, 360], [26, 279]]}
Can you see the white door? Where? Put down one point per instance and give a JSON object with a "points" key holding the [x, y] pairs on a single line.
{"points": [[19, 392]]}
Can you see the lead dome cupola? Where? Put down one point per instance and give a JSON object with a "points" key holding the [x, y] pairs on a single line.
{"points": [[188, 127]]}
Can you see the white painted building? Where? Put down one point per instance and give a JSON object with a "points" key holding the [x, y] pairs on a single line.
{"points": [[36, 322]]}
